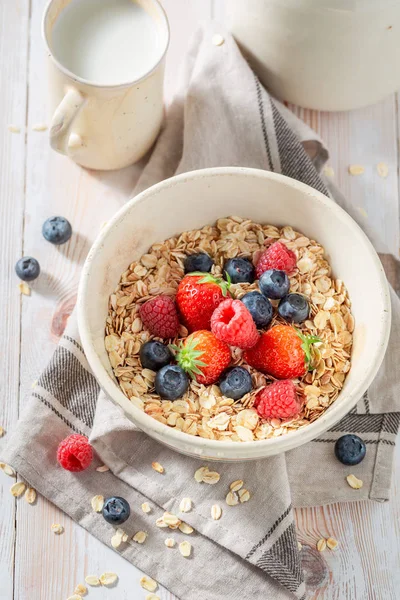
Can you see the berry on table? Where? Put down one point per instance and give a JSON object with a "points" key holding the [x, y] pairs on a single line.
{"points": [[155, 355], [274, 284], [350, 449], [235, 383], [294, 308], [75, 453], [57, 230], [27, 268], [278, 401], [239, 270], [171, 382], [259, 307], [116, 510], [232, 323], [282, 352], [277, 256], [203, 356], [160, 317], [197, 297], [198, 262]]}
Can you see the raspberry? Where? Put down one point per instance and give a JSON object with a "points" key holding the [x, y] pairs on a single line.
{"points": [[160, 317], [232, 323], [75, 453], [278, 401], [277, 256]]}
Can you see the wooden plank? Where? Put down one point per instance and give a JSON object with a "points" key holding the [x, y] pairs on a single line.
{"points": [[57, 186], [14, 19]]}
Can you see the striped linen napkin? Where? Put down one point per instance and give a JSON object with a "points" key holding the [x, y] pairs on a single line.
{"points": [[222, 116]]}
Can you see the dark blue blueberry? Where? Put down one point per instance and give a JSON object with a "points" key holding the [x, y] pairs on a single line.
{"points": [[201, 263], [116, 510], [259, 307], [240, 270], [154, 355], [294, 308], [350, 449], [171, 382], [235, 383], [274, 284], [27, 268], [57, 230]]}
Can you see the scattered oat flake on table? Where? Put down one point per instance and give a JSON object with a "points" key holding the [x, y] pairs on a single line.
{"points": [[232, 499], [161, 523], [171, 519], [80, 589], [140, 537], [211, 477], [30, 495], [24, 288], [383, 169], [146, 507], [92, 580], [216, 512], [7, 469], [102, 469], [152, 597], [199, 474], [185, 505], [236, 485], [328, 171], [244, 495], [321, 545], [185, 549], [75, 597], [332, 543], [185, 528], [356, 169], [57, 528], [148, 584], [354, 482], [2, 431], [108, 578], [39, 127], [218, 40], [17, 489], [157, 467], [169, 542], [97, 503], [14, 129], [116, 540], [299, 546]]}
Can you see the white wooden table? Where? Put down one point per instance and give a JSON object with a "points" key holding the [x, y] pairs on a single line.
{"points": [[36, 183]]}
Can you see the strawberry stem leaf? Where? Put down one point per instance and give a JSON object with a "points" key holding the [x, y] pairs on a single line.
{"points": [[308, 342], [209, 278], [188, 358]]}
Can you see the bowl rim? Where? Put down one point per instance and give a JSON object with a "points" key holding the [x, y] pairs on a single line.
{"points": [[230, 449]]}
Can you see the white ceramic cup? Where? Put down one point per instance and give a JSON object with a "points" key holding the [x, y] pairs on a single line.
{"points": [[99, 125]]}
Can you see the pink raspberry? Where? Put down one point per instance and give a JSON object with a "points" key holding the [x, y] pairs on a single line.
{"points": [[75, 453], [278, 400], [160, 317], [233, 324], [277, 256]]}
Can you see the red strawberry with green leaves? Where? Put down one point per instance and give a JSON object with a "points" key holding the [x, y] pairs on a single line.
{"points": [[203, 356], [282, 351], [197, 297]]}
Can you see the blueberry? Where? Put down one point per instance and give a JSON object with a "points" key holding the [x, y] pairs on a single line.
{"points": [[259, 307], [171, 382], [350, 449], [294, 308], [116, 510], [27, 268], [240, 270], [57, 230], [235, 383], [154, 355], [198, 262], [274, 284]]}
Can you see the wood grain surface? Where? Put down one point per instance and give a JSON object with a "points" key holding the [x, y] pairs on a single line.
{"points": [[36, 183]]}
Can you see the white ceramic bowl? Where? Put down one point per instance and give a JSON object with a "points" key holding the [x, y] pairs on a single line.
{"points": [[194, 199]]}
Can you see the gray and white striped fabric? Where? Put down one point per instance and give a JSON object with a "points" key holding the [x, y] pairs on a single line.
{"points": [[222, 116]]}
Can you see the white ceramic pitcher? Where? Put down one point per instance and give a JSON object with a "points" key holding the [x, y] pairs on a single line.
{"points": [[105, 126], [321, 54]]}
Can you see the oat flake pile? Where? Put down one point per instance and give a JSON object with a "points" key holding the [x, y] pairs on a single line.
{"points": [[238, 538]]}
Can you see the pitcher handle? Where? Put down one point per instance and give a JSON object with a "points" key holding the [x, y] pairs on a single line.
{"points": [[64, 116]]}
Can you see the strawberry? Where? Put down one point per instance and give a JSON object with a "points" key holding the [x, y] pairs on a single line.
{"points": [[282, 352], [203, 356], [197, 297]]}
